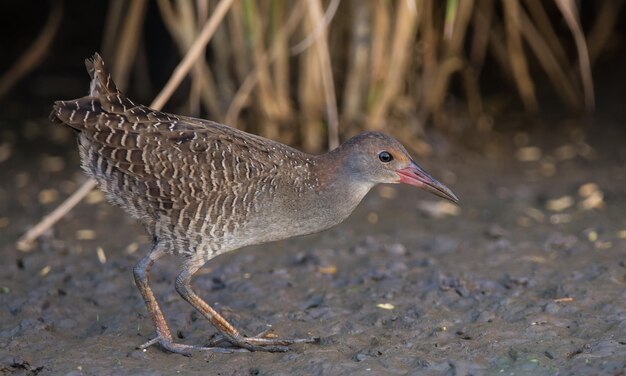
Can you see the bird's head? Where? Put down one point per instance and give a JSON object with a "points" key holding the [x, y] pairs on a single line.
{"points": [[378, 158]]}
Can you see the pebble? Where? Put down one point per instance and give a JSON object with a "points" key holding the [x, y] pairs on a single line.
{"points": [[360, 357], [396, 249], [48, 196], [485, 316]]}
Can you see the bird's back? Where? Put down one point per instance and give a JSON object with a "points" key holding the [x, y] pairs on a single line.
{"points": [[194, 183]]}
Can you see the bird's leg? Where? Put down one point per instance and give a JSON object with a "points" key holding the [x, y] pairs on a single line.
{"points": [[141, 272], [228, 332]]}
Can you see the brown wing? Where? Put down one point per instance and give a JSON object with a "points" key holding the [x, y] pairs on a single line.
{"points": [[173, 161]]}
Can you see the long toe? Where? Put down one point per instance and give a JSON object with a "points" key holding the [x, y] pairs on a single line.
{"points": [[265, 347], [262, 342], [167, 345], [185, 350], [264, 338]]}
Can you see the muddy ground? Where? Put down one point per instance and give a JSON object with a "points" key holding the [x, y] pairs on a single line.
{"points": [[528, 278]]}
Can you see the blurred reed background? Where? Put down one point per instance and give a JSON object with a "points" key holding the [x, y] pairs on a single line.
{"points": [[311, 72]]}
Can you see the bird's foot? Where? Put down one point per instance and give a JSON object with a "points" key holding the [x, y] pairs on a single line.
{"points": [[177, 348], [264, 341]]}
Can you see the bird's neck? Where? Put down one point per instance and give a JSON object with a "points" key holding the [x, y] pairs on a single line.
{"points": [[339, 185]]}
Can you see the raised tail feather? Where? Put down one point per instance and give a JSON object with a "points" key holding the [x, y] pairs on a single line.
{"points": [[101, 81], [104, 96]]}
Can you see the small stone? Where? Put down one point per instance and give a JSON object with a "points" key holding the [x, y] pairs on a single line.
{"points": [[593, 201], [592, 235], [535, 214], [94, 197], [485, 316], [45, 271], [560, 204], [439, 209], [397, 249], [588, 189], [551, 308], [385, 306], [101, 255], [387, 192], [85, 234], [360, 357], [132, 248], [48, 196]]}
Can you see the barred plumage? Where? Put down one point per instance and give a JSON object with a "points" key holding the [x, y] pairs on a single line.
{"points": [[178, 175], [202, 188]]}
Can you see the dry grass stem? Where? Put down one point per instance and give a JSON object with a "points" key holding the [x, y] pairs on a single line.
{"points": [[112, 22], [603, 28], [451, 62], [357, 74], [323, 55], [517, 58], [193, 54], [127, 43], [181, 23], [250, 80], [482, 25], [540, 18], [401, 50], [319, 31], [548, 61], [570, 13]]}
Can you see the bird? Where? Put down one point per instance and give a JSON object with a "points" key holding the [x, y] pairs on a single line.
{"points": [[202, 189]]}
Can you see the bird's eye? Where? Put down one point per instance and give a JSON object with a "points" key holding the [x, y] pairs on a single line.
{"points": [[385, 157]]}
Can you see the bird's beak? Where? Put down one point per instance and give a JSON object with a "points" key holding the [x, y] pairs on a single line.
{"points": [[415, 175]]}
